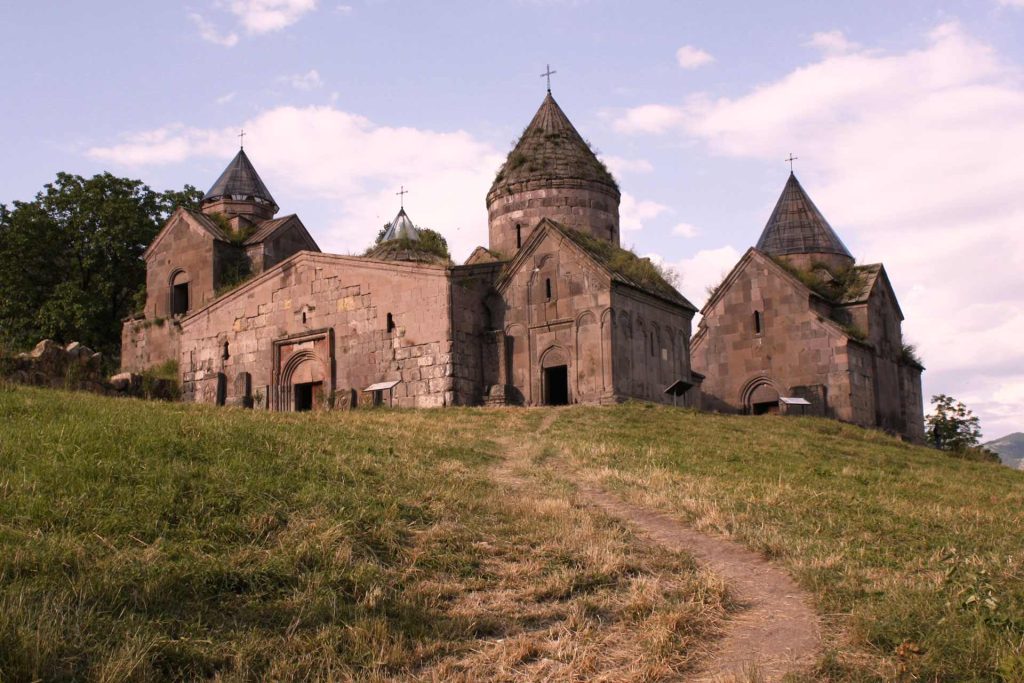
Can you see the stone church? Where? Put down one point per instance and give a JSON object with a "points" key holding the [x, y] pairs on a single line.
{"points": [[552, 311], [797, 326]]}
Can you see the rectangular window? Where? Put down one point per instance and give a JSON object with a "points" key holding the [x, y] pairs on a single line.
{"points": [[547, 288], [757, 322]]}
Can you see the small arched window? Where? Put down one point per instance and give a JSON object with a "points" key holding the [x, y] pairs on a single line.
{"points": [[757, 322], [225, 354], [519, 236], [391, 323], [547, 288], [652, 343]]}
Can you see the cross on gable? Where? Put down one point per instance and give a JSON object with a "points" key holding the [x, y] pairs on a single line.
{"points": [[547, 74], [401, 196]]}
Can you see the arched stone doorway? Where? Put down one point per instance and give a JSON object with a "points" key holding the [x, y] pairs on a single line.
{"points": [[762, 398], [554, 366], [304, 378]]}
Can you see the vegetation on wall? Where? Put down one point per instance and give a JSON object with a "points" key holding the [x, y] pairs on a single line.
{"points": [[654, 277], [430, 242], [833, 284], [70, 262]]}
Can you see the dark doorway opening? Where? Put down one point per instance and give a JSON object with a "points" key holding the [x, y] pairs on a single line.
{"points": [[556, 385], [766, 408], [305, 395], [179, 299]]}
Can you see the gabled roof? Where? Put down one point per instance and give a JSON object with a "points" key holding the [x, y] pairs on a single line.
{"points": [[268, 229], [197, 218], [240, 181], [873, 275], [551, 149], [483, 255], [621, 265], [796, 226]]}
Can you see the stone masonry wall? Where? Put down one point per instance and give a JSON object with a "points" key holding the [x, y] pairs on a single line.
{"points": [[571, 327], [650, 347], [577, 206], [332, 306], [186, 248], [793, 348], [472, 328], [147, 343]]}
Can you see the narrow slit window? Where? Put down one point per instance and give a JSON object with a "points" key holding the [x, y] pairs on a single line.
{"points": [[547, 288], [652, 343], [225, 354], [757, 322], [519, 236], [391, 323], [303, 317]]}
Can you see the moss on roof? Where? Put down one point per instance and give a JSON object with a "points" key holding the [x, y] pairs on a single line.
{"points": [[551, 149], [627, 267]]}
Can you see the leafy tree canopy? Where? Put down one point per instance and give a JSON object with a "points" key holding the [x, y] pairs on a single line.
{"points": [[951, 426], [70, 259]]}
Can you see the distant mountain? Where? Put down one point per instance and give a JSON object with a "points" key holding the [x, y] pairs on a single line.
{"points": [[1010, 449]]}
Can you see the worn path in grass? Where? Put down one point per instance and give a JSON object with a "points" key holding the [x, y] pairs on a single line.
{"points": [[775, 632]]}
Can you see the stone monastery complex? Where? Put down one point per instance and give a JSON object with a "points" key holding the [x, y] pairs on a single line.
{"points": [[553, 311]]}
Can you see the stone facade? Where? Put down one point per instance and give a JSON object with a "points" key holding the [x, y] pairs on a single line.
{"points": [[768, 336], [554, 312]]}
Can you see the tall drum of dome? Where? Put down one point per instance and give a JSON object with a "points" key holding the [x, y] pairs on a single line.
{"points": [[551, 173]]}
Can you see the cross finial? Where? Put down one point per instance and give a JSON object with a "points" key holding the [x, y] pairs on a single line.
{"points": [[241, 139], [547, 74], [791, 159], [401, 196]]}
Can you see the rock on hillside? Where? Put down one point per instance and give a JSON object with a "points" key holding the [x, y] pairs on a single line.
{"points": [[1010, 449]]}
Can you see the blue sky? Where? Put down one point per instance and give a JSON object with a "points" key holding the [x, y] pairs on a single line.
{"points": [[907, 118]]}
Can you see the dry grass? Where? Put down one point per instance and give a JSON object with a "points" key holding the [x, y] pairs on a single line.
{"points": [[143, 541]]}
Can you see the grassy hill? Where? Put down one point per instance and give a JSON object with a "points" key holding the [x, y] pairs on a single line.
{"points": [[1010, 449], [145, 541]]}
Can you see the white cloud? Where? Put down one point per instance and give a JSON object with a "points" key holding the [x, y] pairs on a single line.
{"points": [[832, 42], [685, 230], [210, 33], [705, 269], [266, 16], [633, 213], [690, 57], [307, 81], [915, 159], [620, 166], [225, 98], [346, 163], [649, 118]]}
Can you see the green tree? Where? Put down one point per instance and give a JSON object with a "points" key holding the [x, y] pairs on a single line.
{"points": [[952, 426], [70, 259]]}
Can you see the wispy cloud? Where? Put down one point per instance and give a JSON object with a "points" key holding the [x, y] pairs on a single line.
{"points": [[685, 230], [634, 213], [832, 42], [690, 57], [307, 81], [225, 98], [266, 16], [210, 33]]}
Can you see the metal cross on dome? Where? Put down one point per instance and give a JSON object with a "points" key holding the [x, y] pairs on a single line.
{"points": [[791, 159], [241, 139], [401, 196], [547, 74]]}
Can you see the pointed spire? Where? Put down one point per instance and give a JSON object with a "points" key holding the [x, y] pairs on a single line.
{"points": [[401, 228], [796, 226], [551, 149], [240, 181]]}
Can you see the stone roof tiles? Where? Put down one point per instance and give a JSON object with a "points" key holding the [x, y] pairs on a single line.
{"points": [[551, 149], [796, 226], [240, 181]]}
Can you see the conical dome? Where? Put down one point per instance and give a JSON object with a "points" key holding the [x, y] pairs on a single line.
{"points": [[550, 149], [797, 227], [551, 173], [240, 182]]}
